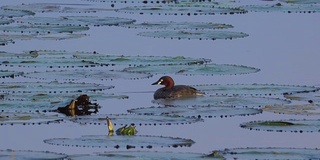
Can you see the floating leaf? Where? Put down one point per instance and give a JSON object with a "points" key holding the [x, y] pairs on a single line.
{"points": [[207, 69], [179, 25], [106, 59], [75, 21], [50, 87], [5, 41], [237, 101], [24, 154], [197, 111], [11, 118], [60, 36], [311, 97], [55, 7], [268, 153], [47, 101], [43, 29], [292, 125], [198, 34], [254, 89], [293, 8], [182, 9], [65, 59], [128, 142], [146, 155], [80, 74], [301, 1], [296, 109], [5, 21], [11, 74], [123, 119], [5, 12]]}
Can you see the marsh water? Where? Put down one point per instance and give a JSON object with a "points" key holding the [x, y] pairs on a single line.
{"points": [[285, 46]]}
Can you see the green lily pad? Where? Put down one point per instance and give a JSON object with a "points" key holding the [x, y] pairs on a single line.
{"points": [[197, 111], [267, 153], [28, 154], [65, 59], [205, 69], [80, 74], [237, 101], [254, 89], [75, 21], [9, 74], [301, 1], [55, 7], [5, 41], [60, 36], [179, 25], [196, 34], [88, 74], [124, 119], [205, 8], [292, 125], [295, 109], [24, 118], [146, 155], [311, 97], [47, 102], [43, 29], [50, 87], [5, 12], [5, 21], [128, 142], [286, 8], [106, 59]]}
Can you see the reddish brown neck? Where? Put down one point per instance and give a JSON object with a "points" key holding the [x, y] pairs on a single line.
{"points": [[168, 82]]}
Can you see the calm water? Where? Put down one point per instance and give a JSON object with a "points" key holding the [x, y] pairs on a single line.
{"points": [[284, 46]]}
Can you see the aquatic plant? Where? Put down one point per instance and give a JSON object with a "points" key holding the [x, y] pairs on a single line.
{"points": [[197, 111], [54, 7], [75, 21], [199, 69], [51, 87], [194, 34], [5, 21], [310, 97], [11, 13], [10, 74], [254, 89], [178, 25], [301, 1], [128, 142], [43, 29], [28, 118], [294, 109], [286, 8], [81, 74], [290, 125], [205, 8], [213, 100], [146, 155], [29, 154], [137, 120], [271, 153]]}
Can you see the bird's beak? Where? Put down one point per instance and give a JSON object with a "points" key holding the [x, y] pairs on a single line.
{"points": [[155, 83]]}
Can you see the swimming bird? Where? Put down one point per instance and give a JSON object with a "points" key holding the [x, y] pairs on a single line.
{"points": [[171, 91]]}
